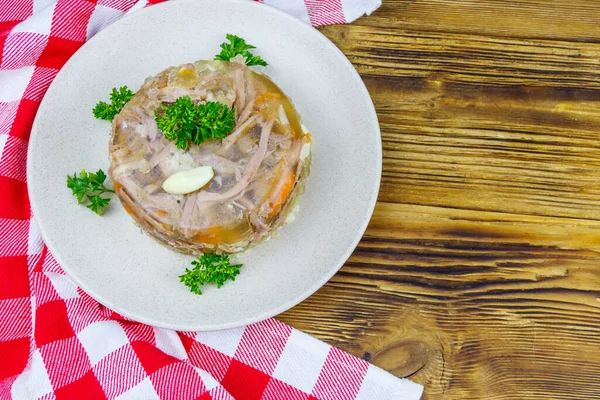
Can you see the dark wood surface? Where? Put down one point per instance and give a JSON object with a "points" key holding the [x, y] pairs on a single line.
{"points": [[479, 275]]}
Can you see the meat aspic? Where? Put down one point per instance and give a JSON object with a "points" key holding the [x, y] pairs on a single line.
{"points": [[259, 168]]}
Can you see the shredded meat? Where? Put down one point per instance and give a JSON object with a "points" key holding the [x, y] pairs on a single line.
{"points": [[258, 168]]}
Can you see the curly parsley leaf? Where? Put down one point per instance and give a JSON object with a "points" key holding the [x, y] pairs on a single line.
{"points": [[97, 203], [97, 180], [178, 122], [214, 121], [90, 186], [183, 122], [209, 268], [79, 185], [118, 98], [236, 46]]}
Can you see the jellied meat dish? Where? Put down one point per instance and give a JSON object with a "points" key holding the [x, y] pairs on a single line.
{"points": [[259, 168]]}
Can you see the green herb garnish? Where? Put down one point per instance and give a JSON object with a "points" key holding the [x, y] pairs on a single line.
{"points": [[236, 46], [90, 186], [184, 122], [118, 98], [209, 268]]}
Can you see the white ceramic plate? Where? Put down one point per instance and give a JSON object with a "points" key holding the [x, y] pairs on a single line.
{"points": [[129, 272]]}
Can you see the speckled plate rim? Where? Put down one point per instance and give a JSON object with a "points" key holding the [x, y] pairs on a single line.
{"points": [[35, 197]]}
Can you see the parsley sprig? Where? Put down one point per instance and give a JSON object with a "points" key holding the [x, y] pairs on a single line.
{"points": [[236, 46], [91, 186], [209, 268], [184, 122], [118, 98]]}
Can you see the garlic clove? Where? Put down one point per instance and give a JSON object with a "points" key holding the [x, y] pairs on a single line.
{"points": [[184, 182]]}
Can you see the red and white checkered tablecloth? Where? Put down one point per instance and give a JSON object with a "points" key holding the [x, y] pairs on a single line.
{"points": [[58, 343]]}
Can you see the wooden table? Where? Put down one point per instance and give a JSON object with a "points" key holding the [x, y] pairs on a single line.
{"points": [[479, 275]]}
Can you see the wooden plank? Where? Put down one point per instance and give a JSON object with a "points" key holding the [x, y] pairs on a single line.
{"points": [[492, 150], [577, 20], [445, 58], [479, 275]]}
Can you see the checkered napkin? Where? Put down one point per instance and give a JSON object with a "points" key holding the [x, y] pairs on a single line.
{"points": [[58, 343]]}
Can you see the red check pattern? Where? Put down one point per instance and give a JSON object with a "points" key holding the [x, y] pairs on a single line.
{"points": [[58, 343]]}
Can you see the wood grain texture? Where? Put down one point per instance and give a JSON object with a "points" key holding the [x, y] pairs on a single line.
{"points": [[479, 275]]}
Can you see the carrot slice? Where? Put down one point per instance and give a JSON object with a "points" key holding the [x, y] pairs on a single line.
{"points": [[220, 234], [272, 95], [282, 191], [212, 235]]}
